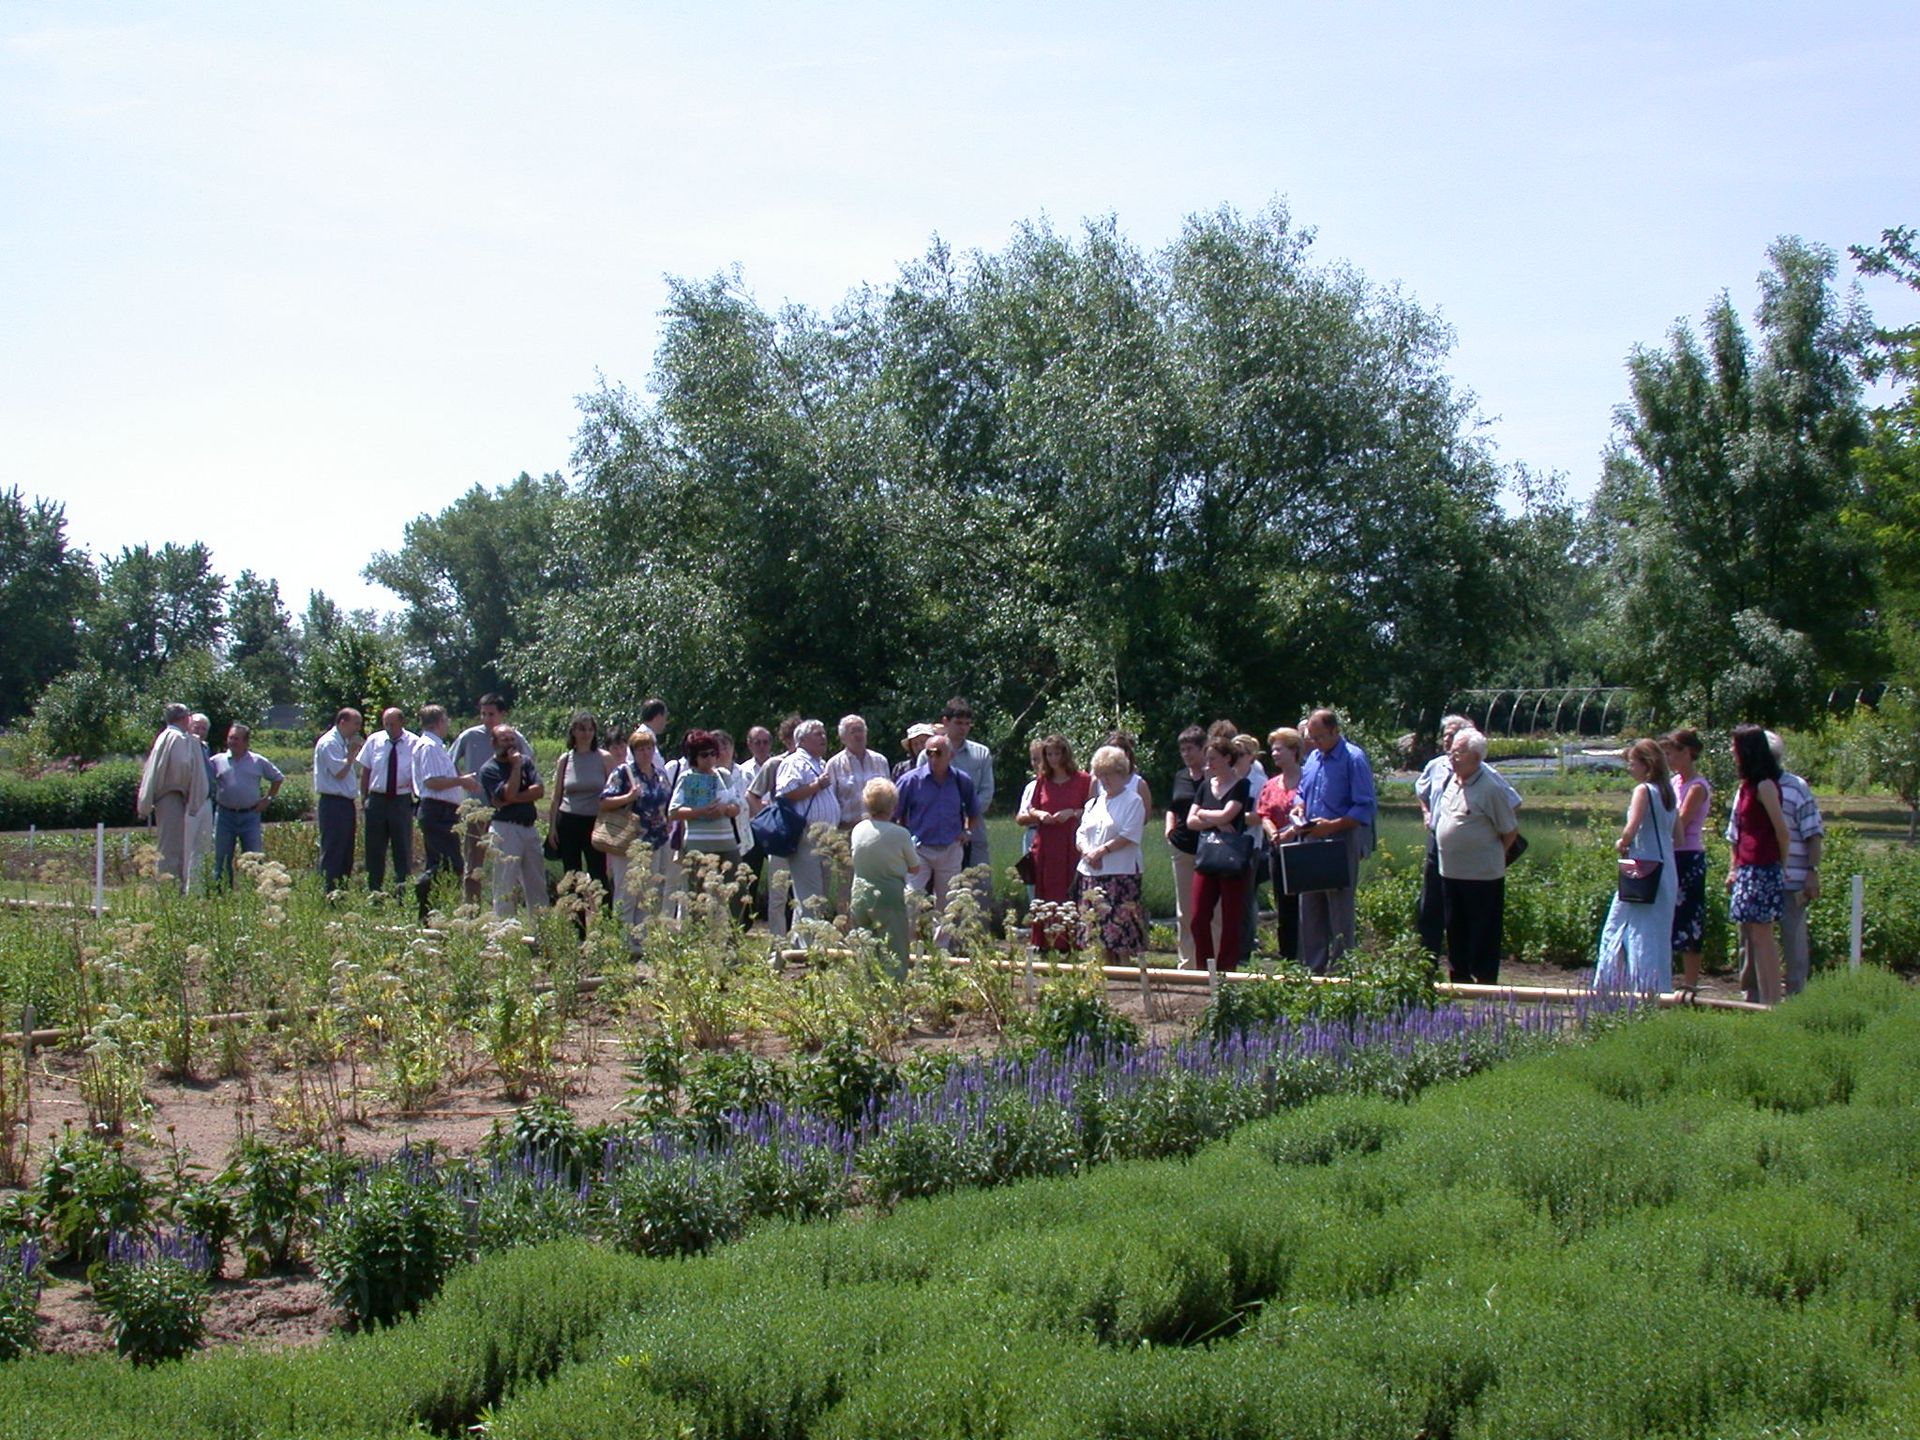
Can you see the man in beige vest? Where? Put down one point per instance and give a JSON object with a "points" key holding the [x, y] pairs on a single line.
{"points": [[173, 789]]}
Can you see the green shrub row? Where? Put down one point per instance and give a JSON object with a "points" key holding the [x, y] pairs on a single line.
{"points": [[106, 794], [1702, 1225]]}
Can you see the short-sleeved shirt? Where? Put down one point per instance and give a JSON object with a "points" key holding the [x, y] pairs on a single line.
{"points": [[493, 779], [474, 748], [1180, 798], [699, 788], [801, 768], [433, 761], [330, 754], [237, 779], [649, 799], [883, 853], [1469, 821], [936, 811], [1207, 797], [1108, 818]]}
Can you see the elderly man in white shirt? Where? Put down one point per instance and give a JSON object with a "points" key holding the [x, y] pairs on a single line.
{"points": [[807, 784]]}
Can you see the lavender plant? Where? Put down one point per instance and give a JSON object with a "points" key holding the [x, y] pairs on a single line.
{"points": [[153, 1289]]}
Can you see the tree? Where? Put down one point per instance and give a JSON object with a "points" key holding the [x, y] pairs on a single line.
{"points": [[154, 607], [1887, 514], [466, 575], [225, 694], [260, 640], [1735, 589], [45, 588], [1070, 480], [359, 662]]}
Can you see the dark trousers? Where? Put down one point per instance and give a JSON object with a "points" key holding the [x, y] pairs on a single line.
{"points": [[573, 839], [1286, 911], [1476, 915], [1229, 892], [334, 813], [441, 842], [389, 832], [1431, 916]]}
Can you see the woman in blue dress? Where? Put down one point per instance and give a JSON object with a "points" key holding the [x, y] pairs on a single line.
{"points": [[1636, 943]]}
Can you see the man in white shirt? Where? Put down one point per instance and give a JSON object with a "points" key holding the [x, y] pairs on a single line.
{"points": [[387, 795], [334, 791], [440, 788], [173, 789], [807, 785], [852, 767], [472, 750]]}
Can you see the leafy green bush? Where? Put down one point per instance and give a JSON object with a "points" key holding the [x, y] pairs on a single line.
{"points": [[88, 1192], [388, 1242], [20, 1282], [153, 1291], [86, 714]]}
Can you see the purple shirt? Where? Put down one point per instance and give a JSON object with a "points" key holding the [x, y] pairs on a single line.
{"points": [[933, 811]]}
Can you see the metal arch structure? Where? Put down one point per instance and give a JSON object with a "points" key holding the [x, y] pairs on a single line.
{"points": [[1512, 710]]}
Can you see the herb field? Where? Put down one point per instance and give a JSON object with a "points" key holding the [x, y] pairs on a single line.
{"points": [[1694, 1225]]}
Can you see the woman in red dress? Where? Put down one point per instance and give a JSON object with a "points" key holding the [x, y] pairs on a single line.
{"points": [[1053, 814]]}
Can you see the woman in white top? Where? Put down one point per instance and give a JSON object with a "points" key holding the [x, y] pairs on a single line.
{"points": [[1109, 843]]}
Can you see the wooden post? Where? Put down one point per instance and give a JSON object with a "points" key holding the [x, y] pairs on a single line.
{"points": [[1213, 978], [1029, 973], [99, 868], [1859, 918]]}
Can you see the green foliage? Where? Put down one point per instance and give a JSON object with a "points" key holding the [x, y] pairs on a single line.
{"points": [[223, 693], [154, 1293], [388, 1243], [668, 1204], [354, 660], [1090, 424], [45, 589], [87, 1192], [21, 1279], [279, 1191], [86, 713], [155, 607], [260, 641], [1733, 590], [469, 576], [1074, 1011]]}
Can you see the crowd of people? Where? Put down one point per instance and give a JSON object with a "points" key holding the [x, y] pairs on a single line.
{"points": [[1302, 820]]}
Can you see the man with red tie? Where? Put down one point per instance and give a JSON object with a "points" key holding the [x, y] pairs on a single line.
{"points": [[387, 793]]}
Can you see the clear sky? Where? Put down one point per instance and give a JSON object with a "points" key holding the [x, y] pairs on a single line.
{"points": [[281, 277]]}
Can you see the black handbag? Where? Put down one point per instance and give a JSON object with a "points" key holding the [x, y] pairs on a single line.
{"points": [[1224, 852], [1639, 882], [1307, 865]]}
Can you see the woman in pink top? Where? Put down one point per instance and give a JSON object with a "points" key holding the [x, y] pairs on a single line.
{"points": [[1274, 807], [1692, 797], [1759, 847]]}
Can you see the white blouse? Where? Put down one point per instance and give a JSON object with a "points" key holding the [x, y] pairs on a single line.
{"points": [[1107, 818]]}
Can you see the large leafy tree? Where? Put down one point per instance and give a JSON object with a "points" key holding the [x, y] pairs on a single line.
{"points": [[1072, 479], [1736, 590], [260, 639], [1887, 515], [45, 588], [154, 607], [467, 575]]}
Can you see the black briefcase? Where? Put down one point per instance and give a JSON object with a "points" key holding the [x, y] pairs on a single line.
{"points": [[1315, 865]]}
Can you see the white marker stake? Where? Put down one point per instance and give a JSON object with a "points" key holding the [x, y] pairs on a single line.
{"points": [[99, 868], [1859, 916]]}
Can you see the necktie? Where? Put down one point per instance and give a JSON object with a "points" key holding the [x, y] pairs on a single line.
{"points": [[393, 768]]}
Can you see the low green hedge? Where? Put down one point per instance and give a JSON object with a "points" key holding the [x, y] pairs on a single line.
{"points": [[107, 794]]}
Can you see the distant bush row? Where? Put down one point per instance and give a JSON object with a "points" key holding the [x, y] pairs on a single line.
{"points": [[106, 793]]}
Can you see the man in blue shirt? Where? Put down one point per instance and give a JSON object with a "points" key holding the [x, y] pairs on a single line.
{"points": [[1336, 800], [238, 776], [938, 807]]}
